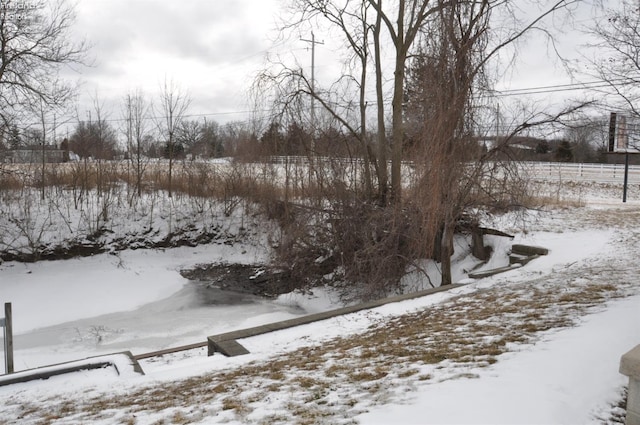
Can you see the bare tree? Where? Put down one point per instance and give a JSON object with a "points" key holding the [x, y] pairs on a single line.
{"points": [[135, 114], [453, 174], [351, 19], [358, 20], [617, 53], [212, 142], [35, 41], [391, 29], [616, 61], [456, 176], [95, 138], [238, 141], [45, 116], [450, 76], [172, 110], [43, 122], [585, 138], [189, 134], [410, 17]]}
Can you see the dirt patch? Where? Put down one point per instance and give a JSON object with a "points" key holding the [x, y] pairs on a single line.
{"points": [[259, 280]]}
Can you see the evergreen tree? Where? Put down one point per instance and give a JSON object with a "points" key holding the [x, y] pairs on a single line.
{"points": [[564, 152]]}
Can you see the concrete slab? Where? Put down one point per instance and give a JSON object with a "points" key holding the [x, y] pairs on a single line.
{"points": [[633, 402], [630, 366], [630, 363]]}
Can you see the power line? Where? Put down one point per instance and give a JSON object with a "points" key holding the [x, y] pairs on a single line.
{"points": [[313, 76], [587, 85], [75, 119]]}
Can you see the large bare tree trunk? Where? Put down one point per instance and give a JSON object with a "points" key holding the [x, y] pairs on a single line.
{"points": [[364, 56], [446, 252], [396, 105], [382, 136], [412, 16]]}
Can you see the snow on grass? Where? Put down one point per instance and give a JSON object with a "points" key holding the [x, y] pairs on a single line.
{"points": [[567, 377], [111, 220], [539, 343]]}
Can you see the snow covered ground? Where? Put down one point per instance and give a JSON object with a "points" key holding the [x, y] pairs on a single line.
{"points": [[569, 377], [545, 350]]}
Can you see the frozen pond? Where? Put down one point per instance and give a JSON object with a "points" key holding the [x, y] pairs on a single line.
{"points": [[188, 316], [136, 301]]}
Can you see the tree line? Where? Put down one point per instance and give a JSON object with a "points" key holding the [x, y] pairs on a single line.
{"points": [[206, 139]]}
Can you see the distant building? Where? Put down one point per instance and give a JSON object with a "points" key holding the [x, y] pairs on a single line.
{"points": [[624, 138], [34, 153]]}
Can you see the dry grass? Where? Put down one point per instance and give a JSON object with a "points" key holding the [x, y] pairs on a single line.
{"points": [[538, 201], [197, 179]]}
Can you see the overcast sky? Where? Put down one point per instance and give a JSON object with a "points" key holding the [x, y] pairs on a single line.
{"points": [[210, 48], [214, 48]]}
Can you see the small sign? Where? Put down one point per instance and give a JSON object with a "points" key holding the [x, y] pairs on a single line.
{"points": [[2, 322]]}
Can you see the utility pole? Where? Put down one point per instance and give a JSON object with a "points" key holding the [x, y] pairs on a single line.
{"points": [[497, 122], [44, 148], [619, 138], [626, 175], [313, 79]]}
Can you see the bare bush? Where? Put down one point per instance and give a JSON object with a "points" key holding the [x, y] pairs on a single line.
{"points": [[27, 226]]}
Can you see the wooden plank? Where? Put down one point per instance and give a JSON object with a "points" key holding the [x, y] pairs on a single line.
{"points": [[91, 363], [36, 375], [170, 350], [487, 273], [528, 250], [226, 342]]}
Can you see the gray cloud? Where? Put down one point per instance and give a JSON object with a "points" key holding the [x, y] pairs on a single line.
{"points": [[204, 30], [209, 47]]}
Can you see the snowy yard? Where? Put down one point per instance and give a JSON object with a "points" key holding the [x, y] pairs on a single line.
{"points": [[538, 344]]}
